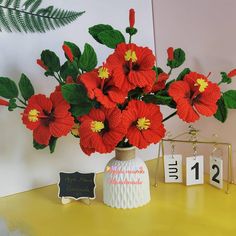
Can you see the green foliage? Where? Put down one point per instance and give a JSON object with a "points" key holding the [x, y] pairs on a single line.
{"points": [[88, 60], [105, 34], [97, 29], [74, 48], [28, 17], [26, 88], [111, 38], [222, 110], [74, 93], [38, 146], [225, 79], [135, 93], [51, 60], [179, 58], [82, 108], [183, 73], [161, 98], [131, 31], [8, 88], [52, 144], [158, 70], [68, 69], [230, 99], [12, 104]]}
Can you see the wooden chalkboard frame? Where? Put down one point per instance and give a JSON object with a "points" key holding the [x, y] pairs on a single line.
{"points": [[72, 197]]}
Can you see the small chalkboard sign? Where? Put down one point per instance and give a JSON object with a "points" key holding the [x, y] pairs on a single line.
{"points": [[77, 185]]}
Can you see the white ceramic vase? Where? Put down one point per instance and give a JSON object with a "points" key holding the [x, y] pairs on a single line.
{"points": [[126, 180]]}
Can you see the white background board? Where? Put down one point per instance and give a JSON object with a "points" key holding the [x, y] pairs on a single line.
{"points": [[21, 167]]}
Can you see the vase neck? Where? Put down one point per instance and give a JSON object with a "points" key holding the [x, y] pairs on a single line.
{"points": [[125, 154]]}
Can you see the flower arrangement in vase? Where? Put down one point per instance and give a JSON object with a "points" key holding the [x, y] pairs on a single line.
{"points": [[116, 104]]}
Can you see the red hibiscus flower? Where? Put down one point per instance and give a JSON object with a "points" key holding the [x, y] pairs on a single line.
{"points": [[144, 123], [160, 83], [4, 102], [132, 67], [195, 94], [101, 130], [48, 117], [99, 84]]}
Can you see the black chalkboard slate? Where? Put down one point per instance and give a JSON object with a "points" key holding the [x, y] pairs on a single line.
{"points": [[77, 185]]}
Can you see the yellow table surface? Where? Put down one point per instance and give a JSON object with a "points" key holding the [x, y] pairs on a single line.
{"points": [[174, 210]]}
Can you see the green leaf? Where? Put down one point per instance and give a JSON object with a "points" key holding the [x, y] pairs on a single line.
{"points": [[230, 99], [38, 146], [51, 60], [67, 69], [81, 108], [111, 38], [160, 100], [26, 88], [225, 78], [222, 110], [96, 29], [29, 17], [88, 59], [8, 88], [74, 93], [179, 58], [74, 48], [52, 144], [183, 73]]}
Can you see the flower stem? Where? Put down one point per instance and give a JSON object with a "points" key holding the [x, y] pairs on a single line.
{"points": [[21, 107], [58, 79], [168, 117], [24, 103], [130, 37]]}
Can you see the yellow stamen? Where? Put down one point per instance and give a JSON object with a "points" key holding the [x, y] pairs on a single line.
{"points": [[103, 73], [97, 126], [203, 84], [143, 123], [75, 130], [131, 55], [33, 115]]}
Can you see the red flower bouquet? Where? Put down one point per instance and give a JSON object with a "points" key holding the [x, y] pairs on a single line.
{"points": [[117, 103]]}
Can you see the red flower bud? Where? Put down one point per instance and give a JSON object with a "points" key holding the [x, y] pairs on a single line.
{"points": [[131, 18], [40, 62], [170, 52], [232, 73], [68, 52], [3, 102]]}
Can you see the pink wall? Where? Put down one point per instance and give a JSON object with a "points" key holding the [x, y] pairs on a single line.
{"points": [[205, 29]]}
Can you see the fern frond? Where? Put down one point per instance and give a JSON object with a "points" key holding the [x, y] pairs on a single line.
{"points": [[29, 17]]}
